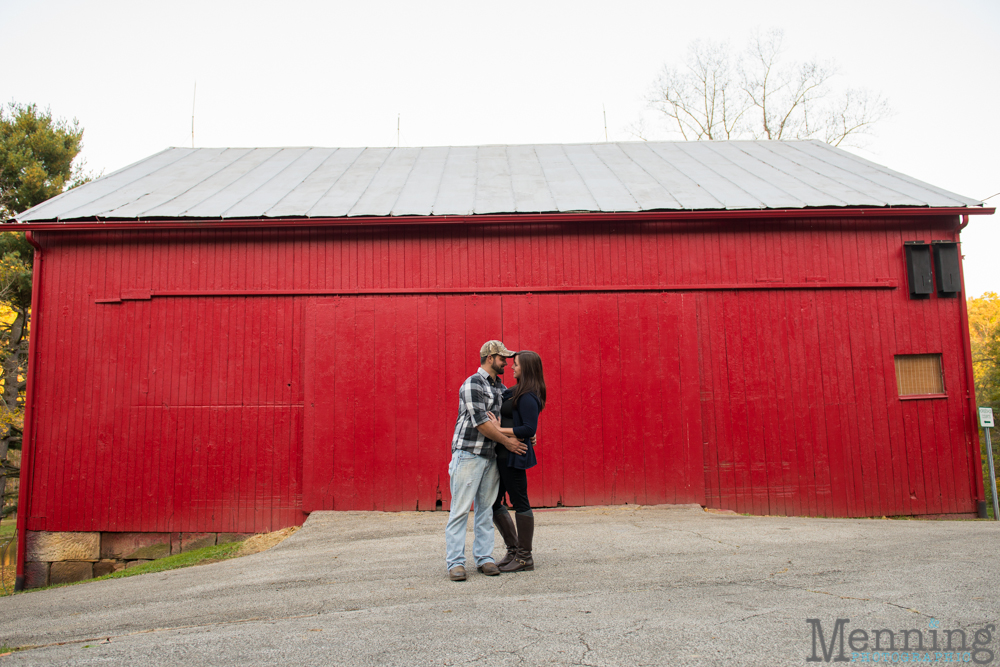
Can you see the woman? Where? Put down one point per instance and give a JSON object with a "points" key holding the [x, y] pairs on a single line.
{"points": [[519, 418]]}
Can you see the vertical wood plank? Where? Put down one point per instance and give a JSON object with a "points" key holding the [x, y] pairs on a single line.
{"points": [[553, 445], [406, 389], [588, 350], [670, 459], [571, 379], [610, 378], [340, 381], [633, 401], [691, 489], [364, 409]]}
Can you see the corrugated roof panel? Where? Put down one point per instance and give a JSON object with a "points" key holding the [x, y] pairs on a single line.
{"points": [[603, 184], [306, 194], [828, 190], [421, 188], [166, 183], [680, 186], [869, 193], [261, 200], [494, 191], [531, 192], [232, 165], [733, 163], [647, 192], [567, 187], [696, 164], [910, 188], [639, 176], [222, 202], [384, 189], [345, 192], [246, 160], [129, 195], [94, 198], [457, 194]]}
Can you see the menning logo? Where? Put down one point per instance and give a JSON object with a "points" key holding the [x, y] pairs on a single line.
{"points": [[902, 646]]}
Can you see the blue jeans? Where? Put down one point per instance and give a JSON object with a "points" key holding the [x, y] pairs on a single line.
{"points": [[474, 479]]}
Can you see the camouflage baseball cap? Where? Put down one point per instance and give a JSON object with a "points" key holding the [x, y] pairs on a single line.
{"points": [[494, 347]]}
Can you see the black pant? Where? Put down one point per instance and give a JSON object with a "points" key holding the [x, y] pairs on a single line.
{"points": [[513, 483]]}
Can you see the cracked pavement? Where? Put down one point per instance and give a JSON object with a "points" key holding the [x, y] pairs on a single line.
{"points": [[666, 585]]}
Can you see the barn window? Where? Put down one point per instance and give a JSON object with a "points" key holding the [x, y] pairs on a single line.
{"points": [[919, 375]]}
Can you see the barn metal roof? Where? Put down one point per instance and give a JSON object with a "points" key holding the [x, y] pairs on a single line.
{"points": [[226, 183]]}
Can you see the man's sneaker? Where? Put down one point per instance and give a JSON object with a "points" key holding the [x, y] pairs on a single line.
{"points": [[457, 573]]}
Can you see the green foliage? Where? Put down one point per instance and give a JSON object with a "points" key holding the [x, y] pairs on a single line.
{"points": [[16, 258], [37, 155]]}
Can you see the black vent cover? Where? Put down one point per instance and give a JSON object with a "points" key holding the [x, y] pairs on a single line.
{"points": [[918, 269], [949, 281]]}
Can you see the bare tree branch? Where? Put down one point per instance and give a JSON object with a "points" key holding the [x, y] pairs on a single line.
{"points": [[855, 114], [702, 99], [716, 94]]}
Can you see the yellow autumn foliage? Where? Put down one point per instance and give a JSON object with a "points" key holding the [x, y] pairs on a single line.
{"points": [[8, 417], [984, 336]]}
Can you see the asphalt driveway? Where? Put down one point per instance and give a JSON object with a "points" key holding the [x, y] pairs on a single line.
{"points": [[612, 586]]}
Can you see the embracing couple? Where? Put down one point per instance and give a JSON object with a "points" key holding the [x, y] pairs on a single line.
{"points": [[490, 452]]}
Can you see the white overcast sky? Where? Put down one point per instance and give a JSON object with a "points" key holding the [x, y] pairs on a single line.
{"points": [[314, 73]]}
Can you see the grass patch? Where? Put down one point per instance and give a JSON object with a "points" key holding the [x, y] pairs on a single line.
{"points": [[7, 529], [203, 556]]}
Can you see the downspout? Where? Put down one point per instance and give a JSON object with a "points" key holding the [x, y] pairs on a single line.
{"points": [[27, 444], [977, 454]]}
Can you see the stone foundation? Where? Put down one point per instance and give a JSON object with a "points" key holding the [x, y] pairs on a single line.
{"points": [[62, 557]]}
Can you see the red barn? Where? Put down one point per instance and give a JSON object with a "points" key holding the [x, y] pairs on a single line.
{"points": [[227, 339]]}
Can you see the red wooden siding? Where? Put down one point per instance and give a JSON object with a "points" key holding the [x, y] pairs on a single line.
{"points": [[164, 429], [227, 380], [392, 454]]}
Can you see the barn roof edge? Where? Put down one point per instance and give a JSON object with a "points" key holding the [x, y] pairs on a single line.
{"points": [[95, 224]]}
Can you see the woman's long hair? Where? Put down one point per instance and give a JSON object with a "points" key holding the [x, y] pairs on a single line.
{"points": [[532, 380]]}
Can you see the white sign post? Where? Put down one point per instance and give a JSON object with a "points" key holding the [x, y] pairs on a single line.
{"points": [[986, 421]]}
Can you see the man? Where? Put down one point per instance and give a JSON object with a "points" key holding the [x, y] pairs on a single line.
{"points": [[473, 468]]}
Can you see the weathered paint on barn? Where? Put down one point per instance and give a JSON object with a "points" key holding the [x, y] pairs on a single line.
{"points": [[231, 380]]}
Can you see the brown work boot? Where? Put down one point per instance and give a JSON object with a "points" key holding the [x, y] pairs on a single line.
{"points": [[457, 573], [490, 569], [504, 524], [525, 534]]}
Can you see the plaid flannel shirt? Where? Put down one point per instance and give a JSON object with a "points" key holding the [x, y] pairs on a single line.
{"points": [[477, 395]]}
